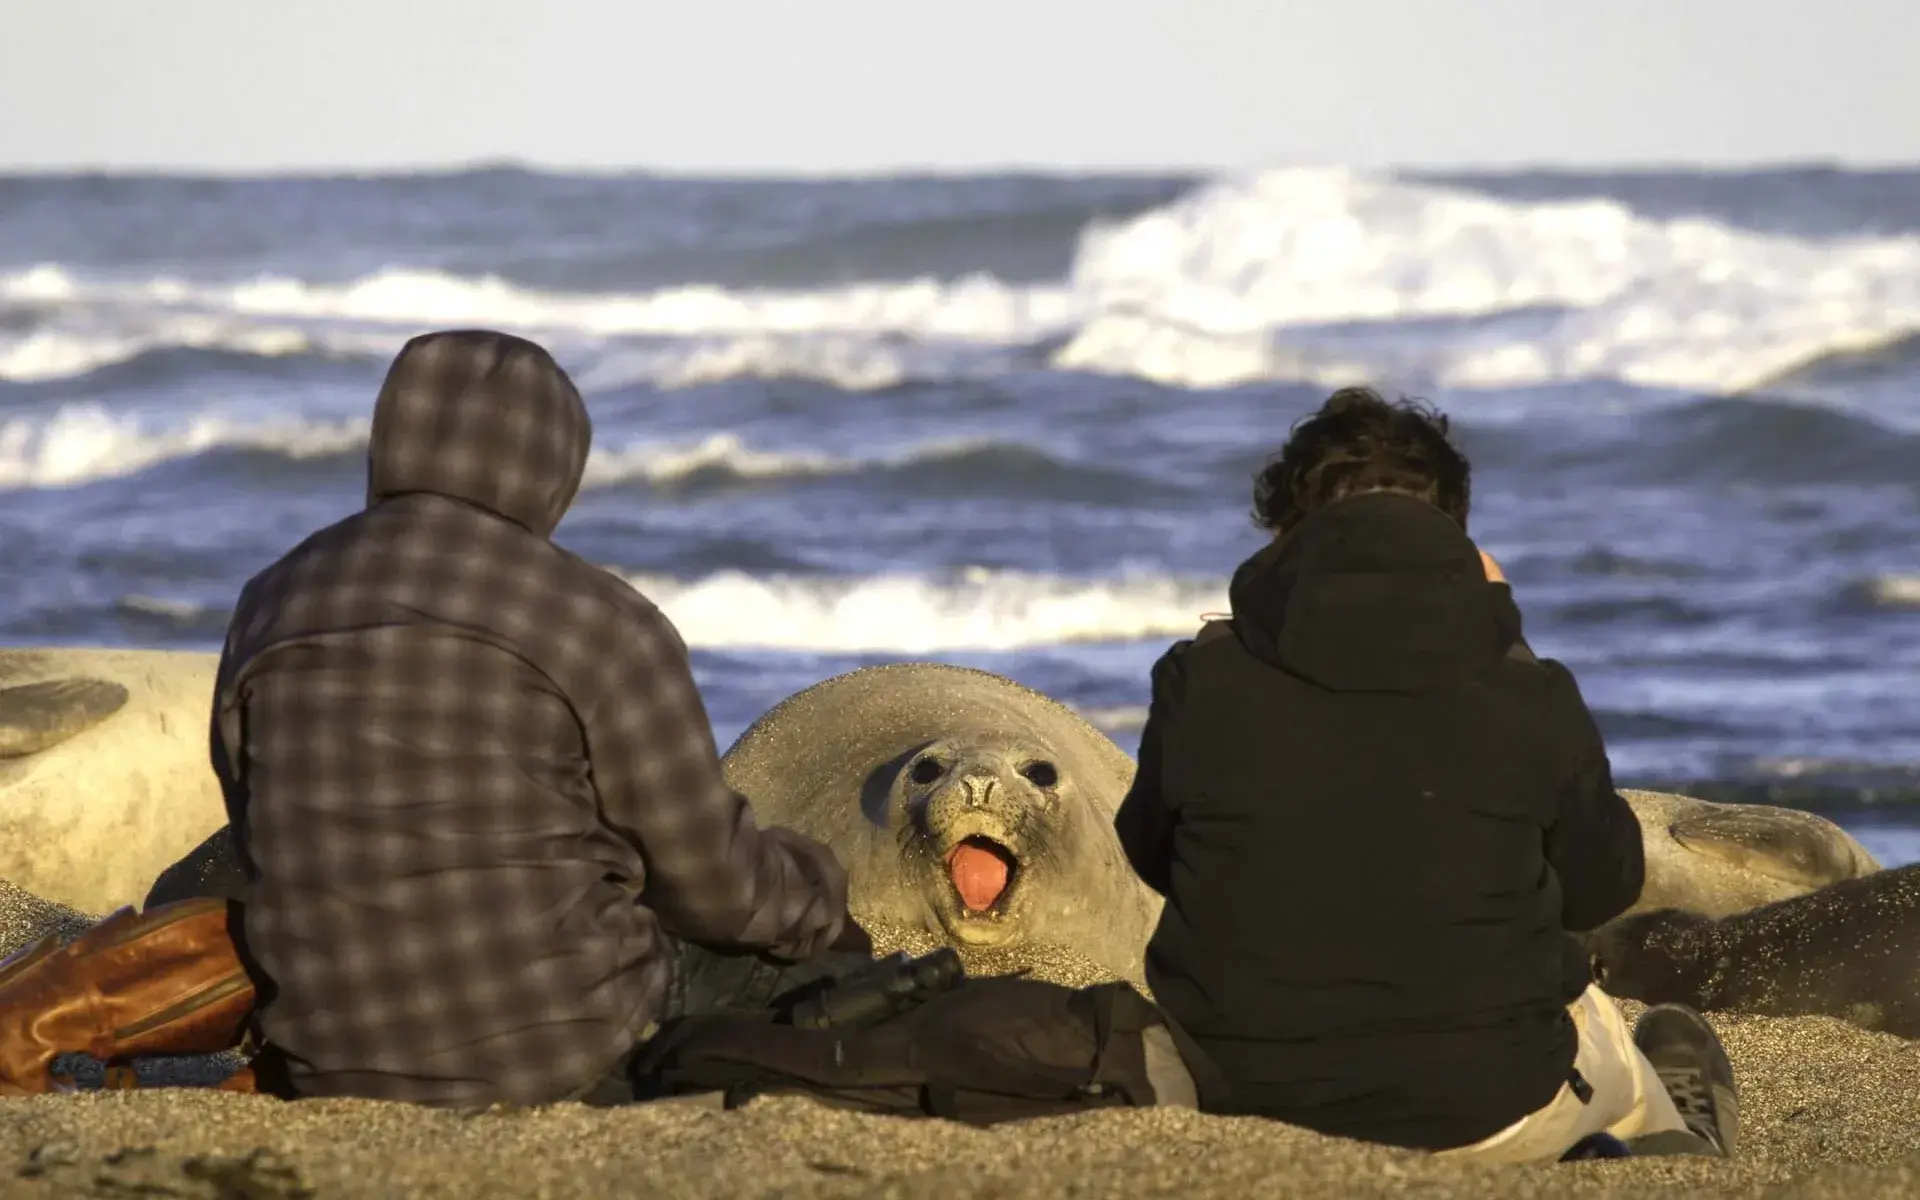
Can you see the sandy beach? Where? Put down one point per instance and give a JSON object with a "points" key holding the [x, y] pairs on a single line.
{"points": [[1827, 1111]]}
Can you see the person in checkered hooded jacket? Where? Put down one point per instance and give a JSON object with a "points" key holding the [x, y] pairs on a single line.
{"points": [[472, 788]]}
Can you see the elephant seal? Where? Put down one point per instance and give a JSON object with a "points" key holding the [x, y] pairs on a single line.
{"points": [[1849, 950], [1716, 859], [105, 774], [968, 810]]}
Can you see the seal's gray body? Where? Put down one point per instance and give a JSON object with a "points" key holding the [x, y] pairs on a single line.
{"points": [[1716, 859], [894, 766], [1850, 950]]}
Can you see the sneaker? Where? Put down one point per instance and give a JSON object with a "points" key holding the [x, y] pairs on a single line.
{"points": [[1693, 1066]]}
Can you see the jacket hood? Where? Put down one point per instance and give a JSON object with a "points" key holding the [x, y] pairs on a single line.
{"points": [[1376, 593], [484, 418]]}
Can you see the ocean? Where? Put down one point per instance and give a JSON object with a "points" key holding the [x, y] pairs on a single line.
{"points": [[1011, 421]]}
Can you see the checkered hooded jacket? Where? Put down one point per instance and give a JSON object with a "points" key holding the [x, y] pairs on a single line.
{"points": [[470, 780]]}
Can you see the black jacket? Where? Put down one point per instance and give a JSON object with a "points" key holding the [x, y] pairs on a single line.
{"points": [[1375, 816]]}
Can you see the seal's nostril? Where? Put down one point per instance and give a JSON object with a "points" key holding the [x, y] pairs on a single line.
{"points": [[979, 789], [926, 771], [1041, 773]]}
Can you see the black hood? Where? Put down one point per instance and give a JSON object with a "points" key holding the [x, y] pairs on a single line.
{"points": [[482, 417], [1377, 593]]}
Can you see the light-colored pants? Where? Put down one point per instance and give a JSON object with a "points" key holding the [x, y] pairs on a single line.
{"points": [[1167, 1073], [1628, 1098]]}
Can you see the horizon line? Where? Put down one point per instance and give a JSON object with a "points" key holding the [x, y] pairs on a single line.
{"points": [[506, 164]]}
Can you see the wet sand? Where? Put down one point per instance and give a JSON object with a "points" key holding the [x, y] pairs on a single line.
{"points": [[1828, 1111]]}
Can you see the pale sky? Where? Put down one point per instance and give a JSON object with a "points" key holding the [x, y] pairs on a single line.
{"points": [[821, 86]]}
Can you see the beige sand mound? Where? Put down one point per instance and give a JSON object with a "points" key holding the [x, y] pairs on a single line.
{"points": [[1830, 1111]]}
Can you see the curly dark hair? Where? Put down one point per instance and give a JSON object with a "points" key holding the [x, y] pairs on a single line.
{"points": [[1361, 442]]}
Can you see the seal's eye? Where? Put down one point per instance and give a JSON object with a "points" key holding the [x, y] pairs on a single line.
{"points": [[1041, 773], [926, 771]]}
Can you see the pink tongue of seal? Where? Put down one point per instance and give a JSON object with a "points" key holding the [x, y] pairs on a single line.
{"points": [[979, 874]]}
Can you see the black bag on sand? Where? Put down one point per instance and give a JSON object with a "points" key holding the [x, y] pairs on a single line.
{"points": [[978, 1051]]}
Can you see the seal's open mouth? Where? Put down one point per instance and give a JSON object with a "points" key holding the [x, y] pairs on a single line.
{"points": [[981, 870]]}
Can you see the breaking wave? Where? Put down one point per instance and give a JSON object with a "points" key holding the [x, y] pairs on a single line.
{"points": [[1747, 440], [1303, 273], [1892, 592], [85, 443], [978, 609]]}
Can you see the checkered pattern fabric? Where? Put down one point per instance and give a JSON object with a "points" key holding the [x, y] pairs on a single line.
{"points": [[470, 779]]}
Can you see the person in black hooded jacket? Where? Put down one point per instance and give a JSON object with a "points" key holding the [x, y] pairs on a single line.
{"points": [[1377, 818]]}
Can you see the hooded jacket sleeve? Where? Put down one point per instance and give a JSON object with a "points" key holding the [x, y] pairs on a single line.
{"points": [[1594, 842], [1145, 820], [713, 874]]}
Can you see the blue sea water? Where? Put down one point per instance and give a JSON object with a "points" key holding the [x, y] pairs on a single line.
{"points": [[1011, 421]]}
